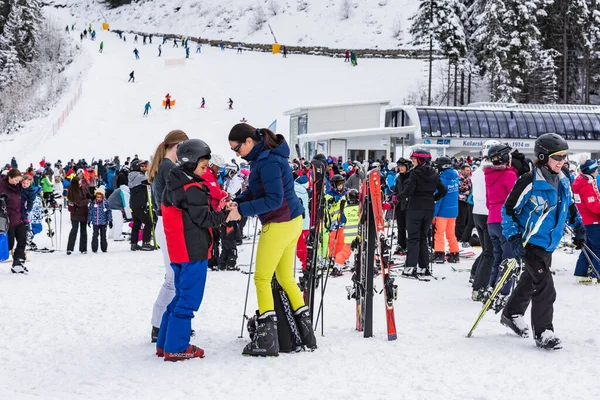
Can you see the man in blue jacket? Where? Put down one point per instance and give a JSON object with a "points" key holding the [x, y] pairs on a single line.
{"points": [[533, 219]]}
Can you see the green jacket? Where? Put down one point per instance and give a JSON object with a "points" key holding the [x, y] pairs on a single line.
{"points": [[47, 185]]}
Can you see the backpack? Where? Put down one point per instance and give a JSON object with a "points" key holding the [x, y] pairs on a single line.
{"points": [[4, 220]]}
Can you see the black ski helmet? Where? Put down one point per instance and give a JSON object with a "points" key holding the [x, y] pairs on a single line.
{"points": [[335, 179], [405, 162], [548, 144], [422, 155], [499, 154], [443, 163], [189, 152], [136, 165], [352, 196]]}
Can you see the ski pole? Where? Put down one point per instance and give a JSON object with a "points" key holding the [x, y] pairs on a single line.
{"points": [[584, 250], [244, 317]]}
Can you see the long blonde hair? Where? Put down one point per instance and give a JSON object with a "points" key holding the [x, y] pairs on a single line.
{"points": [[172, 139]]}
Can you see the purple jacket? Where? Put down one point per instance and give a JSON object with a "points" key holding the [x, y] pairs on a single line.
{"points": [[498, 185], [13, 204]]}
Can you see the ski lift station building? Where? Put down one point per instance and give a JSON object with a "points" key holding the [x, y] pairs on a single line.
{"points": [[375, 129]]}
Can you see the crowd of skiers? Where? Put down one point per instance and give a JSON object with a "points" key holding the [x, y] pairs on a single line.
{"points": [[192, 201]]}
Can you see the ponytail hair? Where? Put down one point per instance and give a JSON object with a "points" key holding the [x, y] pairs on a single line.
{"points": [[240, 132], [172, 139]]}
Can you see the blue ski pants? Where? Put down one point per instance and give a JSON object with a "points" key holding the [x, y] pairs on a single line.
{"points": [[592, 233], [176, 324]]}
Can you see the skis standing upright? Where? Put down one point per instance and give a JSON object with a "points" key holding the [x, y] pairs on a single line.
{"points": [[390, 290], [316, 204]]}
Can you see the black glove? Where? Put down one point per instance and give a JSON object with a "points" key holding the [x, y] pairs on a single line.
{"points": [[110, 225], [579, 236], [516, 242]]}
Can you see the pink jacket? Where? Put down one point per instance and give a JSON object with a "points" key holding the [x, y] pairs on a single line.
{"points": [[498, 184]]}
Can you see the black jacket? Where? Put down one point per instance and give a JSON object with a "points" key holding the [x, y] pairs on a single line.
{"points": [[401, 181], [189, 217], [160, 182], [420, 187]]}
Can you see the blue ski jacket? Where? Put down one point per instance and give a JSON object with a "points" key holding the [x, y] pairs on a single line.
{"points": [[99, 213], [538, 212], [270, 193], [447, 206]]}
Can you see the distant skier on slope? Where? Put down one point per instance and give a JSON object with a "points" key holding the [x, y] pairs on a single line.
{"points": [[147, 108], [230, 104], [137, 53], [131, 77], [203, 103], [101, 47], [159, 50], [168, 101], [187, 52]]}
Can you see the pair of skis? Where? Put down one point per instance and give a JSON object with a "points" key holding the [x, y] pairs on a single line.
{"points": [[372, 237]]}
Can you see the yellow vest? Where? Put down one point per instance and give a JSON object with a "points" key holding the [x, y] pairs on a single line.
{"points": [[352, 220]]}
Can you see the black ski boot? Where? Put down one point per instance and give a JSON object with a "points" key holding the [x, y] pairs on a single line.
{"points": [[400, 250], [307, 334], [516, 323], [154, 334], [453, 258], [265, 341], [547, 340], [439, 257], [135, 247], [147, 247]]}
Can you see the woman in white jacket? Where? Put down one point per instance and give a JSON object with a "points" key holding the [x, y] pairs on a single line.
{"points": [[483, 264]]}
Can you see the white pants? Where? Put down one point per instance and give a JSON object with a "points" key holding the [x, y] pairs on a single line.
{"points": [[117, 229], [167, 291]]}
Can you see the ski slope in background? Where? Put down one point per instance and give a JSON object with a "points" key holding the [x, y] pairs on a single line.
{"points": [[107, 120], [78, 327], [371, 24]]}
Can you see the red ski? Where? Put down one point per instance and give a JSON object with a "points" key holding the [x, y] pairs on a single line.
{"points": [[390, 289]]}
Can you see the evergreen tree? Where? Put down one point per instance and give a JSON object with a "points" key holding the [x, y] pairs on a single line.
{"points": [[4, 11], [31, 17], [564, 29], [490, 44], [9, 61]]}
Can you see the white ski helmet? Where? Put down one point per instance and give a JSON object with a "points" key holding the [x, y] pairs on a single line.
{"points": [[218, 160], [487, 145]]}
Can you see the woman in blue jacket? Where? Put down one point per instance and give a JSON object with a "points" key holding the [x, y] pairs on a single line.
{"points": [[270, 195]]}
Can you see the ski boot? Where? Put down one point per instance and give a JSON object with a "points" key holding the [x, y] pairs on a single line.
{"points": [[265, 341], [453, 258], [154, 335], [337, 270], [410, 271], [485, 293], [423, 271], [307, 334], [135, 247], [516, 323], [439, 257], [400, 251], [147, 247], [465, 245], [19, 269], [547, 340], [476, 295], [499, 302], [190, 352]]}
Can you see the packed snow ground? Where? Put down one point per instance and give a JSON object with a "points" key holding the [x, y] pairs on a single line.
{"points": [[370, 24], [78, 326]]}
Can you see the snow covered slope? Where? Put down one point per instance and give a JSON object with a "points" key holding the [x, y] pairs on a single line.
{"points": [[370, 23], [108, 117]]}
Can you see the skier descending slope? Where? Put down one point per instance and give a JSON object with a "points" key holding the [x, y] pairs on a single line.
{"points": [[271, 196], [533, 219], [188, 219], [419, 189]]}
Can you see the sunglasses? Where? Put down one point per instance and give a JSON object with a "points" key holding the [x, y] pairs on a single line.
{"points": [[237, 148], [558, 157]]}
